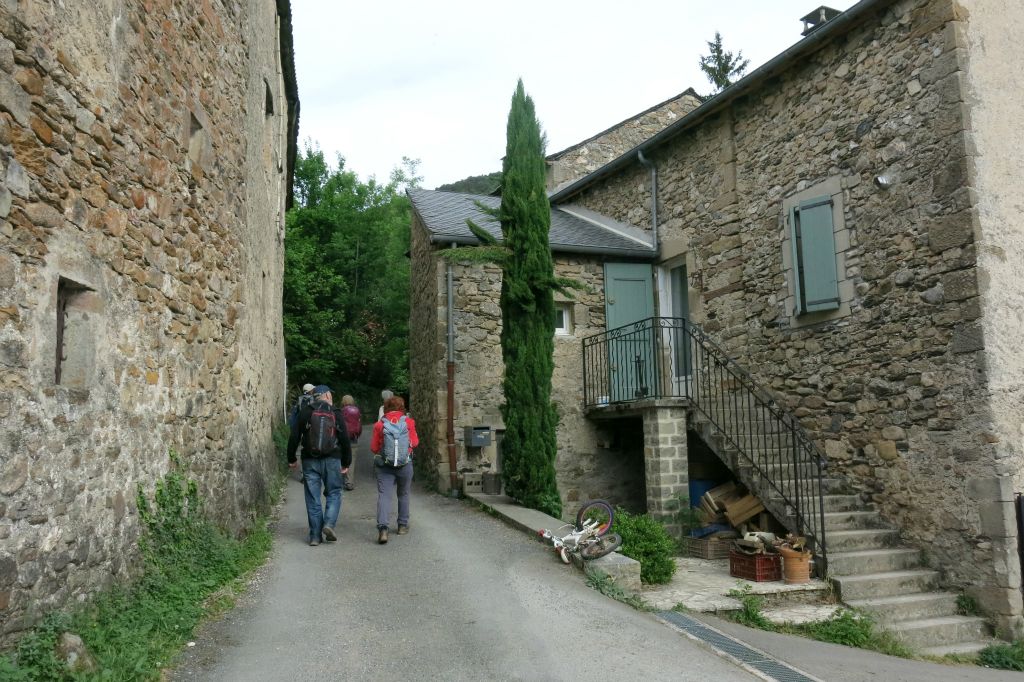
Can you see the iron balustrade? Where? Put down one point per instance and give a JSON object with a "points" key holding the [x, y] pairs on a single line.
{"points": [[665, 357]]}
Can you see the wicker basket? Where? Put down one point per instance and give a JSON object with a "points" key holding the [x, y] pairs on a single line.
{"points": [[708, 548]]}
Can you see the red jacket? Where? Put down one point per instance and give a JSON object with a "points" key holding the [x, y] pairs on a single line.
{"points": [[378, 431]]}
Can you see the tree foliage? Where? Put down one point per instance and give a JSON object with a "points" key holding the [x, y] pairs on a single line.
{"points": [[528, 313], [346, 288], [721, 67], [474, 184]]}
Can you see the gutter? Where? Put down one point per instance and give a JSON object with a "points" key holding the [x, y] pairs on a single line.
{"points": [[648, 253], [745, 86], [453, 489], [291, 93]]}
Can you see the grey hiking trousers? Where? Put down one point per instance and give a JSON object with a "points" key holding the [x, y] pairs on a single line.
{"points": [[387, 479]]}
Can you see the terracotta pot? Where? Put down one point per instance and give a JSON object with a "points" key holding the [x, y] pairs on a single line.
{"points": [[796, 566]]}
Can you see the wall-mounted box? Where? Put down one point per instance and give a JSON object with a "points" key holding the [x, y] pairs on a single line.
{"points": [[478, 436]]}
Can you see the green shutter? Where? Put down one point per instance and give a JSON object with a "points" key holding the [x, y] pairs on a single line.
{"points": [[814, 246]]}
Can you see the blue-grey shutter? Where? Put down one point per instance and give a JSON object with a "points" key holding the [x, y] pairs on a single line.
{"points": [[814, 247]]}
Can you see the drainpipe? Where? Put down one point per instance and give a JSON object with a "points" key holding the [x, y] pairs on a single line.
{"points": [[647, 163], [453, 489]]}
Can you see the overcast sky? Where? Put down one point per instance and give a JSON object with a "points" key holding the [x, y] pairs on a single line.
{"points": [[433, 79]]}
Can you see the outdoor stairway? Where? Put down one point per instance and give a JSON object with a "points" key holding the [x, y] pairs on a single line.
{"points": [[869, 567]]}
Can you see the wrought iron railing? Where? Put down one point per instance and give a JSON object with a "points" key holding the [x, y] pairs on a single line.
{"points": [[663, 357]]}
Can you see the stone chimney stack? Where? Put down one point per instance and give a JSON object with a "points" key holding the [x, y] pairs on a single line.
{"points": [[818, 18]]}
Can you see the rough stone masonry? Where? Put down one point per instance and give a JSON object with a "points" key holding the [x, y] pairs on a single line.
{"points": [[145, 155]]}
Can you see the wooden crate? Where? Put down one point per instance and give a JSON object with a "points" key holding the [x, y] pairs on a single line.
{"points": [[708, 548], [757, 568]]}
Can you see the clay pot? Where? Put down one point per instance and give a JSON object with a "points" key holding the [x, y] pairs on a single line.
{"points": [[796, 566]]}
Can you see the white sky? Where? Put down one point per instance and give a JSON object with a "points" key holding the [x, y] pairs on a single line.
{"points": [[433, 79]]}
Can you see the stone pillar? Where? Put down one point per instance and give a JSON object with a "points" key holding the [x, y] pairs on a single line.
{"points": [[666, 464], [1001, 601]]}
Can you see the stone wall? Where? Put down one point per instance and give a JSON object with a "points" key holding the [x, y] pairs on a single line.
{"points": [[897, 387], [142, 186], [592, 459], [587, 156]]}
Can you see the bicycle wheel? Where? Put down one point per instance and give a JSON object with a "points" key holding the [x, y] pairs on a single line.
{"points": [[563, 554], [602, 546], [596, 510]]}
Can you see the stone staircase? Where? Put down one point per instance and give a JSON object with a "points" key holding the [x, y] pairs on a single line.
{"points": [[869, 567]]}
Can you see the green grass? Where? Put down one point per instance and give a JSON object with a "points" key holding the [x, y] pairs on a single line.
{"points": [[606, 585], [1003, 656], [192, 570]]}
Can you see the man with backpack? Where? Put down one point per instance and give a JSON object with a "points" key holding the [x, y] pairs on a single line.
{"points": [[326, 457], [394, 437]]}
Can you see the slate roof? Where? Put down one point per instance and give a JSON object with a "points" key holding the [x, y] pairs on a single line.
{"points": [[573, 230]]}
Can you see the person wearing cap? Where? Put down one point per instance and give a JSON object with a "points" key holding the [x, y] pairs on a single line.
{"points": [[323, 471]]}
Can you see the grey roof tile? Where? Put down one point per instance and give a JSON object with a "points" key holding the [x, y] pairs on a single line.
{"points": [[445, 213]]}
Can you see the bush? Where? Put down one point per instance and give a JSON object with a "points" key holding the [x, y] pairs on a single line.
{"points": [[647, 541], [1003, 656]]}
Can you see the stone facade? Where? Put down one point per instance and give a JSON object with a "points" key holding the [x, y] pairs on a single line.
{"points": [[592, 459], [144, 169], [913, 387], [587, 156]]}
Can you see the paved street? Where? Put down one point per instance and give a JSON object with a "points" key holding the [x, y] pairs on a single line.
{"points": [[462, 597]]}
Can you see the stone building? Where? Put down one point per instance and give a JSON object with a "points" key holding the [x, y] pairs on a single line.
{"points": [[145, 163], [587, 156], [842, 226]]}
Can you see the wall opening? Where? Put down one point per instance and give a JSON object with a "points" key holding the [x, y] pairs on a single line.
{"points": [[78, 308]]}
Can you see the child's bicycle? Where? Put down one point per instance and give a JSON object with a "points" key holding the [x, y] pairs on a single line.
{"points": [[589, 536]]}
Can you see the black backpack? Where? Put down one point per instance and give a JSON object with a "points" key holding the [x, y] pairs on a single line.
{"points": [[322, 433]]}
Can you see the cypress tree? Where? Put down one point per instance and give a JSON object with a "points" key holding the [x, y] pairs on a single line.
{"points": [[528, 315]]}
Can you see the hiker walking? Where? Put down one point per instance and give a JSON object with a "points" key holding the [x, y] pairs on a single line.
{"points": [[325, 460], [354, 427], [384, 395], [394, 437]]}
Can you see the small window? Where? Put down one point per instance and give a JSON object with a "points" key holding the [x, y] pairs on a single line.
{"points": [[77, 309], [563, 319], [812, 240]]}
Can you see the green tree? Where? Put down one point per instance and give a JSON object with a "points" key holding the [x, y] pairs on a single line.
{"points": [[474, 184], [721, 67], [528, 315], [346, 288]]}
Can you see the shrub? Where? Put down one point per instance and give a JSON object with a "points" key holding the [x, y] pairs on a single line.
{"points": [[647, 541], [1003, 656]]}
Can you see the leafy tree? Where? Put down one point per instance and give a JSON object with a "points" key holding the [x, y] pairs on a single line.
{"points": [[474, 184], [721, 67], [346, 288]]}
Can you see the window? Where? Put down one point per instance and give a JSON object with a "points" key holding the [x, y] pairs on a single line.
{"points": [[77, 307], [563, 319], [812, 239], [815, 241]]}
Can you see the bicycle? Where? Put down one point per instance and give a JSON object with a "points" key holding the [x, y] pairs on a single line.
{"points": [[589, 537]]}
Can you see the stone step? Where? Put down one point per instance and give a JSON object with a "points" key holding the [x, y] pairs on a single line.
{"points": [[908, 606], [940, 631], [852, 519], [958, 649], [863, 538], [837, 503], [866, 561], [887, 584]]}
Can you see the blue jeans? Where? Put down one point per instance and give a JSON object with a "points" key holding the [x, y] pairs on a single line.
{"points": [[387, 480], [322, 476]]}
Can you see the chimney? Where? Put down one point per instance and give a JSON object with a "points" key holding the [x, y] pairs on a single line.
{"points": [[818, 18]]}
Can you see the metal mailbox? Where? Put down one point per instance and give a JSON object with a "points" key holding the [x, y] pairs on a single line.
{"points": [[478, 436]]}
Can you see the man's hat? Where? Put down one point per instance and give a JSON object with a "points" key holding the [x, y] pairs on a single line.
{"points": [[308, 388], [321, 389]]}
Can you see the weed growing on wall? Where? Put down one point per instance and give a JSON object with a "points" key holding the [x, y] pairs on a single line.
{"points": [[132, 632], [647, 541]]}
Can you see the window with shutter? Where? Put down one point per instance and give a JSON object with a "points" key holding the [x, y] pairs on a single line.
{"points": [[812, 239]]}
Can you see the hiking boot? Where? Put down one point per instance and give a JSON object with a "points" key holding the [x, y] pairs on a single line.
{"points": [[314, 542], [382, 536], [403, 530], [329, 535]]}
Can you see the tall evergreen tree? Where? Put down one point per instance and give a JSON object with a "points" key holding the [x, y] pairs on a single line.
{"points": [[722, 67], [528, 315]]}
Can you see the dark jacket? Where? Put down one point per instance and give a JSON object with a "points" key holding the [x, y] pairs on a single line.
{"points": [[344, 449]]}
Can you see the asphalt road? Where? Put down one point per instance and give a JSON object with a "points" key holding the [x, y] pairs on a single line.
{"points": [[461, 597]]}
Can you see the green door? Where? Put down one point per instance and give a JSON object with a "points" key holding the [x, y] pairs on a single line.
{"points": [[629, 298]]}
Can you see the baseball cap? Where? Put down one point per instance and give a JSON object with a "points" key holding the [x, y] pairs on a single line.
{"points": [[307, 388], [321, 389]]}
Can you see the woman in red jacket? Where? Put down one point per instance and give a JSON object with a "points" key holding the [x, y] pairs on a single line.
{"points": [[394, 437], [353, 419]]}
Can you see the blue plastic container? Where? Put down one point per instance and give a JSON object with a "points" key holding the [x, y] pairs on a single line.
{"points": [[699, 486]]}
